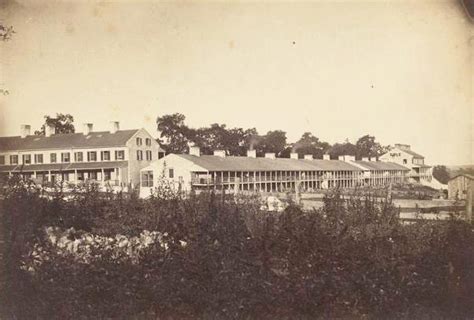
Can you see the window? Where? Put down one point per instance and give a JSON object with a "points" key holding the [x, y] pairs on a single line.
{"points": [[139, 155], [52, 157], [160, 154], [404, 161], [38, 158], [148, 155], [26, 159], [92, 156], [2, 159], [119, 155], [78, 157], [92, 175], [65, 157], [148, 141], [105, 155], [14, 159], [147, 179], [139, 141], [107, 175], [171, 173]]}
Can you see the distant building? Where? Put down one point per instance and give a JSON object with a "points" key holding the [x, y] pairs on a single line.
{"points": [[266, 174], [403, 155], [112, 158], [460, 186]]}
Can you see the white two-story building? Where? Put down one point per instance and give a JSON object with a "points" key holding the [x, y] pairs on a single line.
{"points": [[402, 154], [112, 157]]}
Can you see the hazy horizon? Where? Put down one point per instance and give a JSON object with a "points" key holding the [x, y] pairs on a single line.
{"points": [[400, 71]]}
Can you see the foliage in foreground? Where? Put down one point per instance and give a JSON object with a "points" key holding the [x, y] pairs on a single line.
{"points": [[226, 258]]}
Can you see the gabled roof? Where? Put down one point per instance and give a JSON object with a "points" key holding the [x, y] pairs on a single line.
{"points": [[69, 140], [381, 165], [469, 176], [231, 163], [412, 153]]}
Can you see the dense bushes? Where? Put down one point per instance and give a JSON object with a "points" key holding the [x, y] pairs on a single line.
{"points": [[223, 257]]}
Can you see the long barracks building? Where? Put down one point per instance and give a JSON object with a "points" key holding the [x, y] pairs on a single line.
{"points": [[113, 158], [194, 171]]}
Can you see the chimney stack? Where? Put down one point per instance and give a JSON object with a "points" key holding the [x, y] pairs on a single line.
{"points": [[195, 151], [49, 130], [341, 158], [25, 130], [308, 157], [326, 157], [219, 153], [349, 158], [87, 128], [114, 126], [270, 155], [251, 153], [294, 155]]}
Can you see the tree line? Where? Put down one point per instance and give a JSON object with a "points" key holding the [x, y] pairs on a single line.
{"points": [[175, 136]]}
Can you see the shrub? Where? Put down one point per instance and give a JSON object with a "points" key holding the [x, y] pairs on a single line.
{"points": [[210, 255]]}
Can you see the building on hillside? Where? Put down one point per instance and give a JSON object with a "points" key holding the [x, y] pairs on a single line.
{"points": [[403, 155], [460, 186], [113, 157], [266, 174]]}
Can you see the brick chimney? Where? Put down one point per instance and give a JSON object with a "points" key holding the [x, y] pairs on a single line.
{"points": [[49, 130], [114, 126], [294, 155], [195, 151], [87, 128], [270, 155], [308, 157], [219, 153], [251, 153], [25, 130]]}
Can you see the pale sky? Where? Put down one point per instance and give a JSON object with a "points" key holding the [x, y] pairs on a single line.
{"points": [[401, 71]]}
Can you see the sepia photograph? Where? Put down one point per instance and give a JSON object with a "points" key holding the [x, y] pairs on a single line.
{"points": [[236, 159]]}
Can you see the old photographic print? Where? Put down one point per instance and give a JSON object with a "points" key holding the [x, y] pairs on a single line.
{"points": [[236, 159]]}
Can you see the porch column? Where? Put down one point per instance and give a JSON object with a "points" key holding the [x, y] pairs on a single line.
{"points": [[76, 181], [102, 176]]}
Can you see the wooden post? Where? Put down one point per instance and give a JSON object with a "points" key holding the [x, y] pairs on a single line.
{"points": [[470, 191], [297, 191]]}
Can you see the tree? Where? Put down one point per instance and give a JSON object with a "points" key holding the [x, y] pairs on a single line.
{"points": [[310, 144], [368, 147], [441, 174], [62, 123], [6, 33], [174, 132], [273, 141], [341, 149]]}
